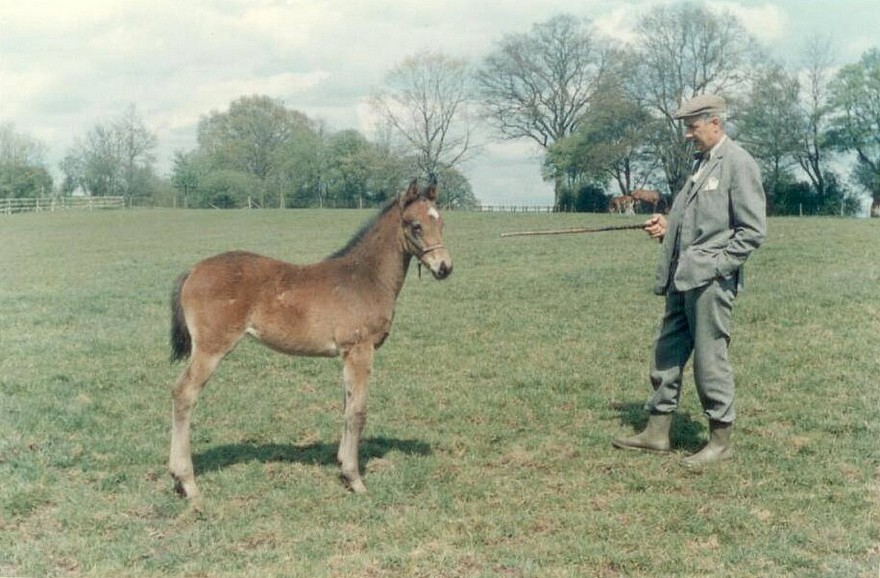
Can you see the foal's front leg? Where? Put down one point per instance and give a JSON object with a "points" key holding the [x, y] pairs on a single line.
{"points": [[357, 365]]}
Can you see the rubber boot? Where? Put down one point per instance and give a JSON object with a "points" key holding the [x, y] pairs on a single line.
{"points": [[655, 437], [717, 449]]}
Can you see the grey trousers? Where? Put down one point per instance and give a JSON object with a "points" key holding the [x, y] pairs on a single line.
{"points": [[695, 322]]}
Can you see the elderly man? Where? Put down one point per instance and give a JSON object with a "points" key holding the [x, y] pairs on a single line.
{"points": [[717, 219]]}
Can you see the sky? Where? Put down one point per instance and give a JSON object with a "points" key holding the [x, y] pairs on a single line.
{"points": [[67, 66]]}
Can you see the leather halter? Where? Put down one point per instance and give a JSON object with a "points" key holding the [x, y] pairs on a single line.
{"points": [[420, 251]]}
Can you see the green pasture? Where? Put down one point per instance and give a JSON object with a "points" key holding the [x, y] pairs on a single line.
{"points": [[491, 411]]}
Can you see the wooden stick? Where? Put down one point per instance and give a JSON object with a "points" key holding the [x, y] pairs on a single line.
{"points": [[574, 230]]}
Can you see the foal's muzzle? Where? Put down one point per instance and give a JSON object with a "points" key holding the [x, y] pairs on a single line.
{"points": [[438, 260], [435, 257]]}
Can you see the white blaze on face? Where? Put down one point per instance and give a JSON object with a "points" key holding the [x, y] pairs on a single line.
{"points": [[432, 212]]}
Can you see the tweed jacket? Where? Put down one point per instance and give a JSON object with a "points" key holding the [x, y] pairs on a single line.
{"points": [[716, 221]]}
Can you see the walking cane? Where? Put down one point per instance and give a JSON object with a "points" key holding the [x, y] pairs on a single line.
{"points": [[574, 230]]}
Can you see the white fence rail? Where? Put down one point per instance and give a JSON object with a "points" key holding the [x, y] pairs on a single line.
{"points": [[516, 208], [10, 206]]}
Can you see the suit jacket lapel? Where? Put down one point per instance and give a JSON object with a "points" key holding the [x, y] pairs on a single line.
{"points": [[710, 167]]}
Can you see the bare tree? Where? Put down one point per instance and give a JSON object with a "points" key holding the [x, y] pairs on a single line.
{"points": [[135, 144], [114, 158], [426, 100], [537, 86], [818, 59], [684, 50], [19, 148], [93, 163]]}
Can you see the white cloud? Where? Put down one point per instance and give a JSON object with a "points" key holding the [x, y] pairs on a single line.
{"points": [[618, 24], [768, 22]]}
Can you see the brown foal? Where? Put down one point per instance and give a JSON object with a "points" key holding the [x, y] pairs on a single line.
{"points": [[343, 305]]}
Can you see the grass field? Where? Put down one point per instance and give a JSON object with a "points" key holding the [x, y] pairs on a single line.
{"points": [[491, 411]]}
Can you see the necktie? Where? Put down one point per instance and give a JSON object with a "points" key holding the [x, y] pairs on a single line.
{"points": [[698, 160]]}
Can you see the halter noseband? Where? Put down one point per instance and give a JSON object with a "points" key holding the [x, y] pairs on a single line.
{"points": [[420, 251]]}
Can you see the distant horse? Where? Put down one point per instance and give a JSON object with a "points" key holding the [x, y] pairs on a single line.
{"points": [[622, 205], [649, 197], [343, 305]]}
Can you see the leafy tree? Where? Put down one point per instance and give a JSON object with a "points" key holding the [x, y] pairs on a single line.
{"points": [[289, 161], [22, 172], [393, 168], [610, 144], [455, 190], [583, 198], [769, 123], [23, 181], [186, 176], [792, 197], [300, 172], [226, 189], [538, 86], [591, 199], [855, 92], [250, 138], [350, 160]]}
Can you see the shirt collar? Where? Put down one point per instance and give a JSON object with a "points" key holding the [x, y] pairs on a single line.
{"points": [[714, 149]]}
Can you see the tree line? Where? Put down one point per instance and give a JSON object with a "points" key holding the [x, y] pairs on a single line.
{"points": [[601, 111]]}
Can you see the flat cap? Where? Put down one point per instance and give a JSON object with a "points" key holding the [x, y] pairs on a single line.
{"points": [[702, 104]]}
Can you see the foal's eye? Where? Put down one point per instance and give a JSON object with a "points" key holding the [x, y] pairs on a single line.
{"points": [[416, 228]]}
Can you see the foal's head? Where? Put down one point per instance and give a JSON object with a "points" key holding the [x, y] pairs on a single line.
{"points": [[423, 229]]}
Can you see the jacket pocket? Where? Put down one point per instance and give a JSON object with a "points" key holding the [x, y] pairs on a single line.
{"points": [[696, 268]]}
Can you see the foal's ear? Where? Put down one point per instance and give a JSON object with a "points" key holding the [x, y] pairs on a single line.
{"points": [[430, 190], [411, 194]]}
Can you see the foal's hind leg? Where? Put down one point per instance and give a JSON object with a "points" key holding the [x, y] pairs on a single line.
{"points": [[185, 393], [358, 363]]}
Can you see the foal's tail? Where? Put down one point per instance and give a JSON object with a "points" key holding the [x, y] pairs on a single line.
{"points": [[181, 341]]}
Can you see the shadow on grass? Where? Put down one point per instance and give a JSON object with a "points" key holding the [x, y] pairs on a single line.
{"points": [[223, 456], [686, 433]]}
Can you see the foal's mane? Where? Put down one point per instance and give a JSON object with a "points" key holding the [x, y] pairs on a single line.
{"points": [[365, 228]]}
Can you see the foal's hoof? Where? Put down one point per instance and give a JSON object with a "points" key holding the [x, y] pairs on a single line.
{"points": [[356, 485], [178, 488], [185, 489]]}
